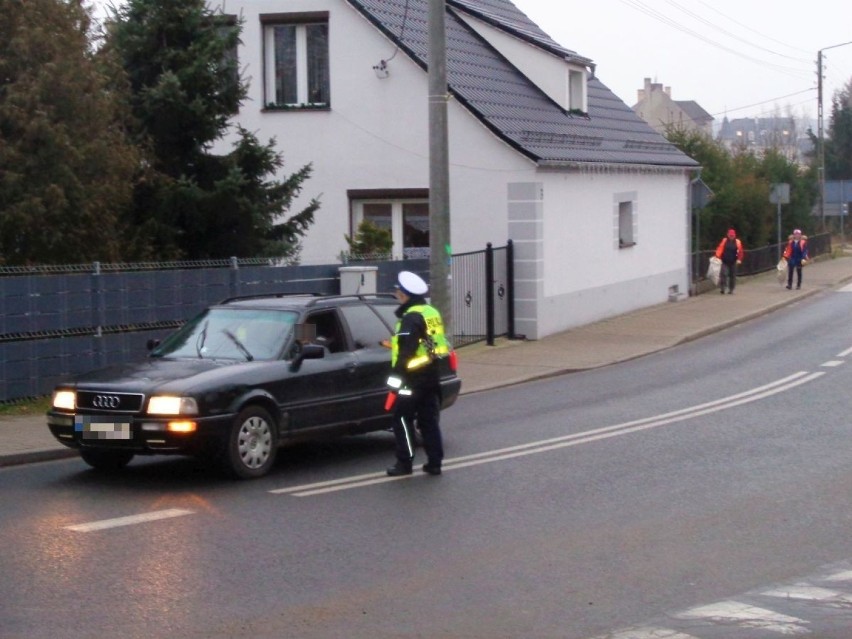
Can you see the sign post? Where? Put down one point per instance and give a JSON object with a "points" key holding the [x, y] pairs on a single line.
{"points": [[779, 194]]}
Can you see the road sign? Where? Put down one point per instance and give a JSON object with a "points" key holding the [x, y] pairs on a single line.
{"points": [[780, 193]]}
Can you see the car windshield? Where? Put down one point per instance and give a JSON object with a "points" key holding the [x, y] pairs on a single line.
{"points": [[231, 333]]}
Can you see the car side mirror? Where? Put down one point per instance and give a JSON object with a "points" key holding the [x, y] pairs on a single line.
{"points": [[306, 351]]}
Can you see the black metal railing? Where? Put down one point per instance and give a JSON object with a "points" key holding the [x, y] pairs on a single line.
{"points": [[483, 295], [760, 260]]}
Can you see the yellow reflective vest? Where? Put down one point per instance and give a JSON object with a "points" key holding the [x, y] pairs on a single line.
{"points": [[434, 346]]}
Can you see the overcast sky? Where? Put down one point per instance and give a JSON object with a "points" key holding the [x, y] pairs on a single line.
{"points": [[743, 58]]}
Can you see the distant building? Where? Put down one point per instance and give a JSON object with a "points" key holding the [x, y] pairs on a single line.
{"points": [[657, 108], [761, 134]]}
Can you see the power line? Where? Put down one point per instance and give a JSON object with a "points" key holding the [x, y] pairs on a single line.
{"points": [[734, 36], [750, 106], [745, 26], [643, 8]]}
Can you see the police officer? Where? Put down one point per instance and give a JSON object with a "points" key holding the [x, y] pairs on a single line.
{"points": [[419, 341]]}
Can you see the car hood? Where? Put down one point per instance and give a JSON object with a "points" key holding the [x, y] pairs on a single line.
{"points": [[164, 375]]}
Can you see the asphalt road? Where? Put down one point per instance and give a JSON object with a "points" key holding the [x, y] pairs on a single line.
{"points": [[669, 494]]}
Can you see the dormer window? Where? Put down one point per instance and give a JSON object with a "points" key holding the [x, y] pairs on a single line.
{"points": [[560, 76], [577, 95]]}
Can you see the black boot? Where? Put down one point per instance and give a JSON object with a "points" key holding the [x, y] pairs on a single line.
{"points": [[399, 469], [432, 469]]}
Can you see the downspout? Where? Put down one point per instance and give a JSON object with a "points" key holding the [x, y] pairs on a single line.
{"points": [[693, 267]]}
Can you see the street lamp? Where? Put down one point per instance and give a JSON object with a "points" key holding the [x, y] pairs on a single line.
{"points": [[821, 168]]}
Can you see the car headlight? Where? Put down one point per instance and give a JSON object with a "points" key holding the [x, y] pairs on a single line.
{"points": [[170, 405], [65, 399]]}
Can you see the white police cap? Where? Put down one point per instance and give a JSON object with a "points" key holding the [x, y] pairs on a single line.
{"points": [[411, 283]]}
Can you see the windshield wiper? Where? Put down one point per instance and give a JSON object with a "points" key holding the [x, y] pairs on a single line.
{"points": [[202, 337], [240, 345]]}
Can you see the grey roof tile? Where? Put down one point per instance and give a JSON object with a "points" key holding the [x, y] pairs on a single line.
{"points": [[508, 103]]}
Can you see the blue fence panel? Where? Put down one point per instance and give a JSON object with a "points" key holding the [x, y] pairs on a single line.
{"points": [[55, 325], [17, 317], [76, 299]]}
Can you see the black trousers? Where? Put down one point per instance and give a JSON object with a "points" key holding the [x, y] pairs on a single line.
{"points": [[729, 273], [424, 406], [798, 268]]}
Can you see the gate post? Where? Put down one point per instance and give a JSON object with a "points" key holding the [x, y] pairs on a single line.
{"points": [[510, 292], [235, 277], [98, 315], [489, 294]]}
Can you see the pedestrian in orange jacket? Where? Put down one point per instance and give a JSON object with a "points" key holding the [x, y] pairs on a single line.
{"points": [[730, 251], [796, 254]]}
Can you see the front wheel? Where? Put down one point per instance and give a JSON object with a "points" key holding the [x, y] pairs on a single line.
{"points": [[106, 460], [252, 444]]}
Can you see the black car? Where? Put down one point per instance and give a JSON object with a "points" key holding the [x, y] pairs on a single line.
{"points": [[239, 380]]}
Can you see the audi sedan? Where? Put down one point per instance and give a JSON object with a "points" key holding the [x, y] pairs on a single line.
{"points": [[238, 381]]}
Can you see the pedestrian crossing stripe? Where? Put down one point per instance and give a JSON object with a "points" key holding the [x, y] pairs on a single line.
{"points": [[647, 633], [735, 613], [811, 593]]}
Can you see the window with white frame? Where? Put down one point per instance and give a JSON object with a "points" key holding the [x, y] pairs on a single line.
{"points": [[625, 219], [577, 91], [407, 219], [296, 60]]}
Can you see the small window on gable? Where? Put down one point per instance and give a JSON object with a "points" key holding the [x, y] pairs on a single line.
{"points": [[577, 91], [625, 220], [296, 61]]}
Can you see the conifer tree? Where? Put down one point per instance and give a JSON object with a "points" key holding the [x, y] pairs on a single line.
{"points": [[185, 87], [66, 167]]}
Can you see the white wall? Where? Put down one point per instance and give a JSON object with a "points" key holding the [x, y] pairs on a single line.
{"points": [[587, 276], [569, 268]]}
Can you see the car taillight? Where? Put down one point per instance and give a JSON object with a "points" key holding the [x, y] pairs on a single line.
{"points": [[454, 361]]}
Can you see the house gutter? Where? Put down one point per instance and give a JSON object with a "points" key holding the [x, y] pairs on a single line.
{"points": [[561, 165]]}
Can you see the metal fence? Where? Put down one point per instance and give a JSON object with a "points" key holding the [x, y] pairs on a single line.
{"points": [[483, 295], [60, 321]]}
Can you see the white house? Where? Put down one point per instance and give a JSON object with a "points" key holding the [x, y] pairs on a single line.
{"points": [[541, 152]]}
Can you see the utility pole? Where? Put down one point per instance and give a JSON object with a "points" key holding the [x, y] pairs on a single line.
{"points": [[439, 167], [820, 132], [821, 150]]}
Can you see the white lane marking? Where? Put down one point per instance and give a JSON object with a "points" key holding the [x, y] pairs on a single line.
{"points": [[845, 289], [810, 593], [845, 353], [747, 616], [646, 633], [778, 386], [832, 363], [130, 520], [844, 575]]}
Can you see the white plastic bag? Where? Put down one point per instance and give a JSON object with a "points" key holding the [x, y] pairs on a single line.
{"points": [[714, 271], [782, 270]]}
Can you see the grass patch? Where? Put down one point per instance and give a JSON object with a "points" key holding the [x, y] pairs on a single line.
{"points": [[29, 406]]}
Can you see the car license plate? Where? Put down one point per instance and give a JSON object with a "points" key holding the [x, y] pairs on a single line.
{"points": [[92, 429]]}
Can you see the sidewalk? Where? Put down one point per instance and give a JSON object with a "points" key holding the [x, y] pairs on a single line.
{"points": [[27, 439]]}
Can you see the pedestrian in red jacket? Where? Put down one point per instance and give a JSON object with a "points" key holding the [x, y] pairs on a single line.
{"points": [[730, 251], [796, 254]]}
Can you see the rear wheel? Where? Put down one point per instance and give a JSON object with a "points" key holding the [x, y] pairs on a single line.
{"points": [[252, 444], [107, 460]]}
